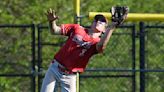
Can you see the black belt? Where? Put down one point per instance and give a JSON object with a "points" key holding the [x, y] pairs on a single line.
{"points": [[62, 68]]}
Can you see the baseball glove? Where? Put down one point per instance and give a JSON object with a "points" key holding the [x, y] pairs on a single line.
{"points": [[119, 14]]}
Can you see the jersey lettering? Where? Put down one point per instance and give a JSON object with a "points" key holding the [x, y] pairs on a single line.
{"points": [[80, 43]]}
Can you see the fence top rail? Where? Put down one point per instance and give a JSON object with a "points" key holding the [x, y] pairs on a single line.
{"points": [[16, 25], [121, 26], [123, 70], [154, 26]]}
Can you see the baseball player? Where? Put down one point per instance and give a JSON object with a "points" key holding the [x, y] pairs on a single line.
{"points": [[81, 44]]}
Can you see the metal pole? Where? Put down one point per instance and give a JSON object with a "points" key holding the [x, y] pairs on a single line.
{"points": [[77, 81], [77, 11], [77, 20], [33, 58], [39, 57], [133, 58], [142, 57], [132, 16]]}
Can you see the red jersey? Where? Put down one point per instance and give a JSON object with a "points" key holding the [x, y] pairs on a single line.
{"points": [[78, 48]]}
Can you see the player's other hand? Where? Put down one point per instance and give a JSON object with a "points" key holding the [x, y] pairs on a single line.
{"points": [[51, 15]]}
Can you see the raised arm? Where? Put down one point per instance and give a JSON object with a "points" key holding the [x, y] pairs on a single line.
{"points": [[51, 16], [118, 16], [105, 38]]}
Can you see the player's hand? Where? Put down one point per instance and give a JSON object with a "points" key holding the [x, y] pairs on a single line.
{"points": [[119, 14], [51, 15]]}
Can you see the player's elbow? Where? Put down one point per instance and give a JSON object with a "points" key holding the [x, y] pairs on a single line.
{"points": [[52, 31], [55, 30], [100, 48]]}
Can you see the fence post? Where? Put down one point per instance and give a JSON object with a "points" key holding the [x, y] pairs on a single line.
{"points": [[77, 11], [134, 58], [39, 57], [142, 57], [33, 58]]}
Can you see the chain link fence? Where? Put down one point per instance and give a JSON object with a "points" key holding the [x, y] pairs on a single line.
{"points": [[154, 56], [132, 61], [17, 58]]}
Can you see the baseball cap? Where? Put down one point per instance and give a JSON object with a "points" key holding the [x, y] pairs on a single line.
{"points": [[100, 17]]}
